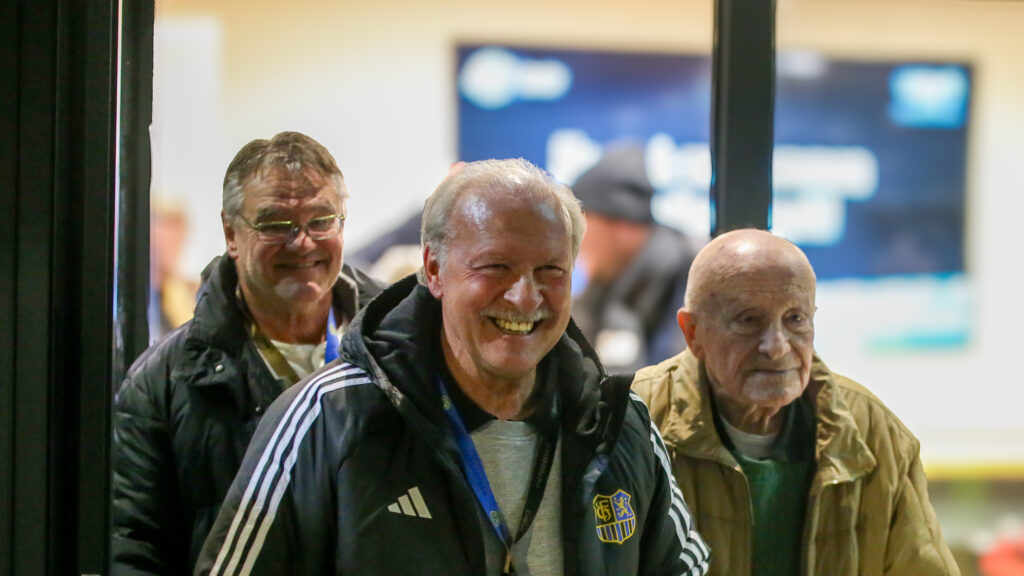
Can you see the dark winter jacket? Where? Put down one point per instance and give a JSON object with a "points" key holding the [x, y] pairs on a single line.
{"points": [[184, 416], [317, 492]]}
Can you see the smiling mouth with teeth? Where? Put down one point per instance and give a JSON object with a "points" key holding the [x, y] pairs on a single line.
{"points": [[513, 327]]}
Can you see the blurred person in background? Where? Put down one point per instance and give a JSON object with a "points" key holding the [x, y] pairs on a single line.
{"points": [[789, 467], [631, 275], [171, 296], [269, 312]]}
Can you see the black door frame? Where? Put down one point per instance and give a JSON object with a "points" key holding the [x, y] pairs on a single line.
{"points": [[59, 145], [58, 136]]}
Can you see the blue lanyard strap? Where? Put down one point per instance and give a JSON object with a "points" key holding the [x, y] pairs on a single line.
{"points": [[331, 351], [477, 476], [474, 468]]}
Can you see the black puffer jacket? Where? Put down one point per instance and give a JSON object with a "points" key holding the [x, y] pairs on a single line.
{"points": [[183, 419], [355, 470]]}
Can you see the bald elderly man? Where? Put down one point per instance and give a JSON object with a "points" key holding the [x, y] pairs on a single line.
{"points": [[788, 467]]}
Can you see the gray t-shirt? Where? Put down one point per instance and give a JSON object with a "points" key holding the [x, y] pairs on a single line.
{"points": [[507, 450]]}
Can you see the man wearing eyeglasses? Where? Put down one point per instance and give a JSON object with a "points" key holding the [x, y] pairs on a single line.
{"points": [[269, 313]]}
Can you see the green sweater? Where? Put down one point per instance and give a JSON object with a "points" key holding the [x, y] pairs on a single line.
{"points": [[778, 492], [779, 487]]}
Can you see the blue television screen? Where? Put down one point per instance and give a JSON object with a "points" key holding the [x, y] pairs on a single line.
{"points": [[869, 168], [870, 156]]}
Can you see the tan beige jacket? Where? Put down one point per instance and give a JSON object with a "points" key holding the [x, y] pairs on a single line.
{"points": [[868, 511]]}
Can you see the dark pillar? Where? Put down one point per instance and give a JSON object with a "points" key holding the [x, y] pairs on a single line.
{"points": [[742, 110], [58, 131]]}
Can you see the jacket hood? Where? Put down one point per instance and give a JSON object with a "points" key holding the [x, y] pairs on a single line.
{"points": [[391, 339], [840, 449], [395, 339]]}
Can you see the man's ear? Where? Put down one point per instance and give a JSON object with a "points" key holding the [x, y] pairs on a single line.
{"points": [[432, 272], [229, 236], [688, 324]]}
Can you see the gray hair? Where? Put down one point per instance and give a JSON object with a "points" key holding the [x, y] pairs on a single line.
{"points": [[513, 177], [289, 152]]}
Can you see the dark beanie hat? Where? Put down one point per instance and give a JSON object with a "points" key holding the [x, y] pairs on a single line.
{"points": [[617, 186]]}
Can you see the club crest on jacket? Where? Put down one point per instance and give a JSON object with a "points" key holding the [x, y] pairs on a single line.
{"points": [[614, 517]]}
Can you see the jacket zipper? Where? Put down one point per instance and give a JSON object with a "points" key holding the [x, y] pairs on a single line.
{"points": [[811, 523], [466, 496], [738, 470], [749, 536], [810, 527]]}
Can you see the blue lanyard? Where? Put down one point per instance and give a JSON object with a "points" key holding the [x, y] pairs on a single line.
{"points": [[477, 476], [474, 468], [331, 351]]}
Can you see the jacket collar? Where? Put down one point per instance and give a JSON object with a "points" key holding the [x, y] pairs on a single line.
{"points": [[842, 453], [840, 450], [217, 336]]}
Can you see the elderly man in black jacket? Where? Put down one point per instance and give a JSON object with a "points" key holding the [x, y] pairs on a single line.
{"points": [[270, 312], [468, 428]]}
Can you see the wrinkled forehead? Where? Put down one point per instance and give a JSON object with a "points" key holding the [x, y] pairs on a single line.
{"points": [[285, 184], [769, 285]]}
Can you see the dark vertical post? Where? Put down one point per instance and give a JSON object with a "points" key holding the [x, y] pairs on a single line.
{"points": [[131, 331], [87, 290], [31, 375], [742, 114], [9, 89], [58, 63]]}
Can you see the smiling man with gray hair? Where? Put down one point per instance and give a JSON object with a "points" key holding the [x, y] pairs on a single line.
{"points": [[269, 312], [468, 428]]}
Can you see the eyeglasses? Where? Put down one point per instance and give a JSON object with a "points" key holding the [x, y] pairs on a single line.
{"points": [[285, 231]]}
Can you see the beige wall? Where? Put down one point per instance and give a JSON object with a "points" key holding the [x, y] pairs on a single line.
{"points": [[374, 82]]}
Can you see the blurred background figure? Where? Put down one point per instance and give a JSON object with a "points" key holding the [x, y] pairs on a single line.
{"points": [[631, 273], [172, 297]]}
